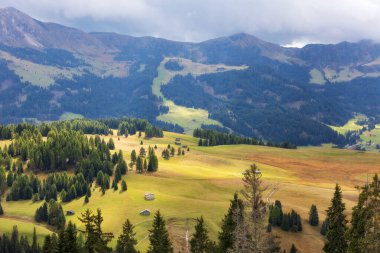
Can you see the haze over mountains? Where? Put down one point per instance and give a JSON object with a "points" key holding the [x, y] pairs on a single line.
{"points": [[249, 86]]}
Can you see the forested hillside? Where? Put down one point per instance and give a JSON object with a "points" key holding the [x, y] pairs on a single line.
{"points": [[259, 90]]}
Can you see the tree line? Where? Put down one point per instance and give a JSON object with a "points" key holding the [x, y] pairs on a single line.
{"points": [[125, 126], [210, 137]]}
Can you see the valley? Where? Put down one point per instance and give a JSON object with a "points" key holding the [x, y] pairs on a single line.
{"points": [[202, 182], [189, 135], [238, 82]]}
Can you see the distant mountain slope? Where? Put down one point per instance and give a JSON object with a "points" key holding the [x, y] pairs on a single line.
{"points": [[282, 94]]}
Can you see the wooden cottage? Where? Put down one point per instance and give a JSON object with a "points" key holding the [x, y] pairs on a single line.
{"points": [[149, 196], [145, 212]]}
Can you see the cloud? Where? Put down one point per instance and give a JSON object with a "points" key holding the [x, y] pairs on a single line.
{"points": [[287, 22]]}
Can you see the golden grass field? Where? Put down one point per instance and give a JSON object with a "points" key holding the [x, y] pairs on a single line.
{"points": [[203, 181]]}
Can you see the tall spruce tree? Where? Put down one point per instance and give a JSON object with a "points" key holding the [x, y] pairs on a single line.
{"points": [[97, 240], [200, 241], [276, 215], [61, 244], [70, 234], [226, 235], [337, 227], [253, 236], [313, 216], [47, 247], [133, 156], [34, 246], [285, 224], [127, 240], [364, 234], [159, 236], [324, 227]]}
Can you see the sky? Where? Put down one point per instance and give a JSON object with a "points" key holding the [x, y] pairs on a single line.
{"points": [[285, 22]]}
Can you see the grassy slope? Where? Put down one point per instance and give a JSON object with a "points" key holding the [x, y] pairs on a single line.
{"points": [[373, 135], [24, 228], [203, 181], [70, 116], [350, 125], [189, 118]]}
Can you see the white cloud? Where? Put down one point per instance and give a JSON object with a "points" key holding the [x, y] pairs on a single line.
{"points": [[289, 22]]}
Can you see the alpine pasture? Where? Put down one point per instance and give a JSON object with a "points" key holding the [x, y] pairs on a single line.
{"points": [[202, 182]]}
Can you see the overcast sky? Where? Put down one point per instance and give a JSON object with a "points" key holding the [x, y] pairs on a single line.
{"points": [[286, 22]]}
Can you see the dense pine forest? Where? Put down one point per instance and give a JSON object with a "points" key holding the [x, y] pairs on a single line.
{"points": [[62, 146], [215, 138]]}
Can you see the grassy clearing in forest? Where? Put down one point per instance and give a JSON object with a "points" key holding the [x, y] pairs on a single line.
{"points": [[188, 118]]}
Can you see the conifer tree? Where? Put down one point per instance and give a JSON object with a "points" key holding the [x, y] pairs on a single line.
{"points": [[139, 165], [123, 186], [200, 242], [122, 166], [226, 235], [293, 249], [88, 191], [61, 244], [153, 163], [117, 174], [54, 242], [285, 224], [133, 156], [159, 236], [145, 167], [313, 216], [34, 247], [299, 223], [70, 235], [276, 215], [127, 240], [3, 180], [364, 234], [253, 191], [335, 237], [47, 247], [97, 240], [111, 144], [252, 234], [324, 227], [114, 184]]}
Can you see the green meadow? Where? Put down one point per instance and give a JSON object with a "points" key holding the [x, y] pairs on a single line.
{"points": [[203, 181], [189, 118]]}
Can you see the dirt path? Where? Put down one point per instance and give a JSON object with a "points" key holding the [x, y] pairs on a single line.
{"points": [[26, 219]]}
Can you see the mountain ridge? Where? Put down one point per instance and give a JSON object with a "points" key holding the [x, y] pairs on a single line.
{"points": [[282, 94]]}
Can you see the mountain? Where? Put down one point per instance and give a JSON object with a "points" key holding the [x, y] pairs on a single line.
{"points": [[236, 83], [20, 30]]}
